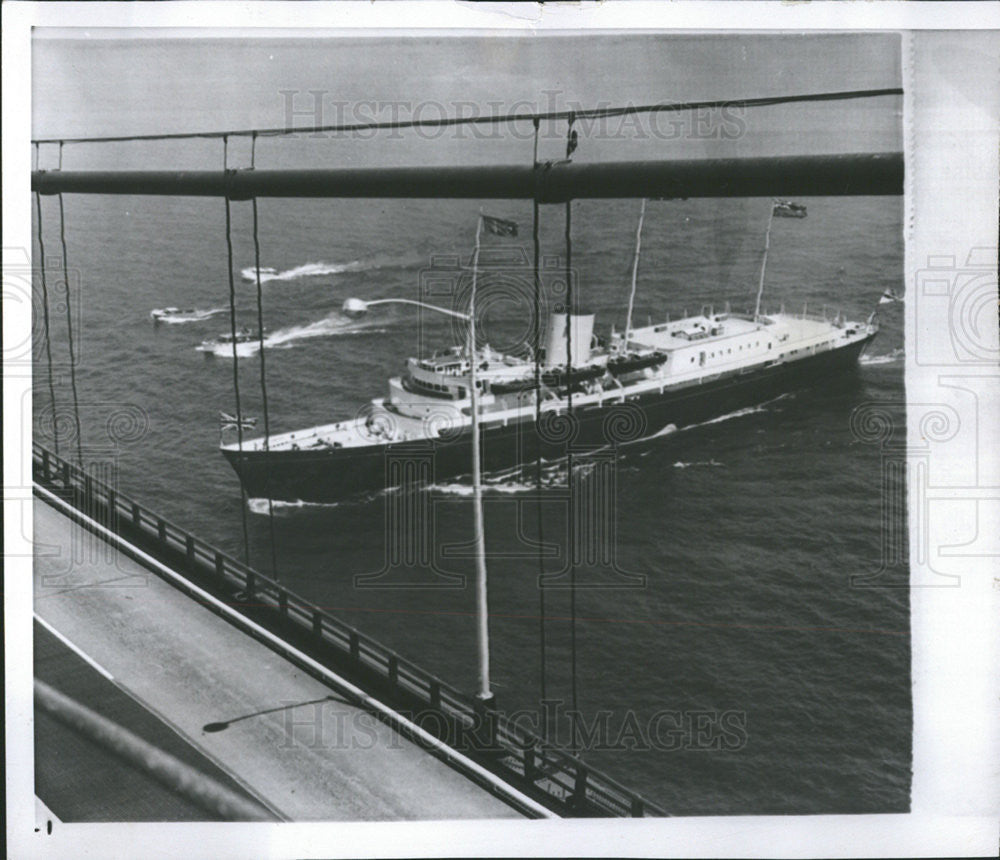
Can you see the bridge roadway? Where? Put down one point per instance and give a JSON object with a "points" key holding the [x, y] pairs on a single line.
{"points": [[283, 737]]}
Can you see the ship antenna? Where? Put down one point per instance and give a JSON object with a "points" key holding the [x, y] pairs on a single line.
{"points": [[635, 272], [763, 262]]}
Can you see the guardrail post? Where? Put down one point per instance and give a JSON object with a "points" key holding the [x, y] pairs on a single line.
{"points": [[580, 788], [530, 771], [283, 601], [112, 510], [220, 565], [251, 585], [318, 624], [435, 694], [393, 669], [485, 727], [45, 463], [65, 474], [136, 514], [189, 551], [355, 646], [161, 530], [637, 807]]}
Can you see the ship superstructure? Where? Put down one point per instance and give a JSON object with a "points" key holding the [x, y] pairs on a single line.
{"points": [[676, 372]]}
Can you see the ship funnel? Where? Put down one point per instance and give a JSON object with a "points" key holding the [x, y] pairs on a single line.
{"points": [[581, 332]]}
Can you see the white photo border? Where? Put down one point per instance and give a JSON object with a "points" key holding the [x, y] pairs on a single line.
{"points": [[952, 81]]}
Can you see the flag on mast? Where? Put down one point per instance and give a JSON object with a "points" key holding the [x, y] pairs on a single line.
{"points": [[231, 422], [499, 226], [572, 143]]}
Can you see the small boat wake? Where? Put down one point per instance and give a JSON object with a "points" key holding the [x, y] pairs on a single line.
{"points": [[179, 316], [245, 343], [886, 358], [312, 270], [334, 325], [680, 464], [283, 508]]}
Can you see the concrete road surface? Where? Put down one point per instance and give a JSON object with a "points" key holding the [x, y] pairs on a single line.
{"points": [[288, 740]]}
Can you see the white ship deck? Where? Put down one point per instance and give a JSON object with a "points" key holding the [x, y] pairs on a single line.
{"points": [[698, 349]]}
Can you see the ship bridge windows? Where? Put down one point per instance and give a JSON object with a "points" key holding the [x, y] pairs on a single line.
{"points": [[422, 386]]}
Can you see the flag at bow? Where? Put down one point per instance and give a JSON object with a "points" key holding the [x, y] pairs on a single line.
{"points": [[888, 297], [499, 226], [231, 422]]}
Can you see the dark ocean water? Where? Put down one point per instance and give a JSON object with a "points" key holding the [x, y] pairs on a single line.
{"points": [[747, 530]]}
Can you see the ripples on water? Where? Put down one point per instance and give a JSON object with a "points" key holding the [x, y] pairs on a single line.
{"points": [[747, 528], [745, 531]]}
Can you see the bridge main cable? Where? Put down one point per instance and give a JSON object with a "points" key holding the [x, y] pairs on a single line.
{"points": [[877, 173], [492, 119]]}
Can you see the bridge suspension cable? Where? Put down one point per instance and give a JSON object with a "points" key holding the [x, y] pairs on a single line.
{"points": [[69, 329], [537, 349], [772, 176], [45, 322], [236, 360], [263, 387], [494, 119], [571, 139]]}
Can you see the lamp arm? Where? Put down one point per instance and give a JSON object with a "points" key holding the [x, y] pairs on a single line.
{"points": [[456, 314]]}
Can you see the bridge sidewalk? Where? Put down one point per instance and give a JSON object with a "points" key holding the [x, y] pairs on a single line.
{"points": [[287, 739]]}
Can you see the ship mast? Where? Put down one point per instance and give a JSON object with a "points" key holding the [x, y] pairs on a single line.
{"points": [[763, 264], [635, 272]]}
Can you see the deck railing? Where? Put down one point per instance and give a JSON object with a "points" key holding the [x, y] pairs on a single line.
{"points": [[553, 775]]}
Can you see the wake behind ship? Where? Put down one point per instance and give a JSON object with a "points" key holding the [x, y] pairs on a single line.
{"points": [[672, 373]]}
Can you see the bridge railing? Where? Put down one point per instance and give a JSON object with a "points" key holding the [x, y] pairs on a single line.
{"points": [[550, 772]]}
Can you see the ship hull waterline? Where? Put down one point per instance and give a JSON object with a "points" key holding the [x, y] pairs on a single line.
{"points": [[333, 474]]}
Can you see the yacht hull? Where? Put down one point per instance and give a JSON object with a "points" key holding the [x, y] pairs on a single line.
{"points": [[331, 474]]}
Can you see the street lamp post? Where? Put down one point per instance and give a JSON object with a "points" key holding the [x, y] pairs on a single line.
{"points": [[485, 694], [356, 307]]}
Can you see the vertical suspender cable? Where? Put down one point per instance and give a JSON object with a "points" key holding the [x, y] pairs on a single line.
{"points": [[571, 510], [69, 328], [263, 391], [537, 345], [236, 362], [45, 322]]}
